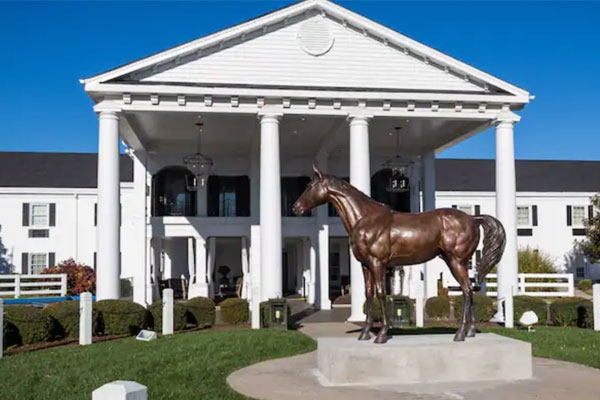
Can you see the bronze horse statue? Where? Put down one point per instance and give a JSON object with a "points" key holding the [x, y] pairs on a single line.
{"points": [[382, 238]]}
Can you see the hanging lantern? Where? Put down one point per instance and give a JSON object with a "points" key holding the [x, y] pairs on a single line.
{"points": [[401, 168], [199, 164]]}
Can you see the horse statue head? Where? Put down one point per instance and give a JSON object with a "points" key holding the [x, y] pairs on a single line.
{"points": [[315, 194]]}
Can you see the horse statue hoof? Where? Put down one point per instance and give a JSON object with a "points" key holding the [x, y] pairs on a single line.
{"points": [[381, 339], [364, 335], [459, 337]]}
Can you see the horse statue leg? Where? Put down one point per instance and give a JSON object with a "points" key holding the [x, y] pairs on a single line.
{"points": [[365, 333], [378, 272], [471, 331], [461, 274]]}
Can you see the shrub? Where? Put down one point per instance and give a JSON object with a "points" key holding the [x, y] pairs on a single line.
{"points": [[200, 311], [264, 314], [120, 317], [235, 311], [572, 311], [585, 284], [27, 325], [377, 314], [66, 317], [80, 277], [438, 307], [156, 313], [530, 303], [484, 307]]}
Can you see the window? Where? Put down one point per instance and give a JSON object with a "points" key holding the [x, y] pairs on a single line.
{"points": [[39, 215], [523, 216], [468, 208], [228, 196], [579, 266], [465, 208], [578, 215], [37, 262]]}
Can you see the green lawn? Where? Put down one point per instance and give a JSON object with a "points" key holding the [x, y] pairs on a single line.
{"points": [[182, 366], [569, 344]]}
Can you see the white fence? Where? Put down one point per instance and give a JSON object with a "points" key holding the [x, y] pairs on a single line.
{"points": [[539, 285], [30, 285]]}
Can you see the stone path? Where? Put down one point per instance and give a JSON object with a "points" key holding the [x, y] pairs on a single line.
{"points": [[294, 378]]}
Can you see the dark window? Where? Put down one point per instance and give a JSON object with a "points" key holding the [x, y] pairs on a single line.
{"points": [[291, 189], [170, 193], [228, 196], [524, 232], [39, 233]]}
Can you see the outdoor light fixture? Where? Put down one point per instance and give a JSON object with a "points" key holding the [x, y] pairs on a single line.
{"points": [[400, 315], [401, 168], [528, 319], [200, 164], [278, 317]]}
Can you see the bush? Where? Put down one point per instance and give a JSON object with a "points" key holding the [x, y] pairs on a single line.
{"points": [[120, 317], [80, 277], [585, 284], [200, 311], [530, 303], [377, 314], [156, 312], [27, 325], [66, 317], [438, 307], [235, 311], [264, 314], [572, 311], [484, 307]]}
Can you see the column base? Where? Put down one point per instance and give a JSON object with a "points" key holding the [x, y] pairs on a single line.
{"points": [[325, 305], [356, 318], [198, 290]]}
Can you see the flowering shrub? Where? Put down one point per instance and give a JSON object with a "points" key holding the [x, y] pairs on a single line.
{"points": [[80, 277]]}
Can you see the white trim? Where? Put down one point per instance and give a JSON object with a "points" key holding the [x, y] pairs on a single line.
{"points": [[346, 16], [56, 191]]}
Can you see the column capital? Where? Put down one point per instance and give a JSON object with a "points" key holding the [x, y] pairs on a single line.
{"points": [[506, 118], [359, 118], [269, 116], [108, 113]]}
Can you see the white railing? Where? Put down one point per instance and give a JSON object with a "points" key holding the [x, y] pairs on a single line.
{"points": [[556, 285], [30, 285]]}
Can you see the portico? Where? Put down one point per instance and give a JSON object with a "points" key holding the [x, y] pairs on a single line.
{"points": [[266, 118]]}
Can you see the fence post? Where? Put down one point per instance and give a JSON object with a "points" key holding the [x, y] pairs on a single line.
{"points": [[596, 293], [419, 293], [63, 285], [522, 290], [85, 318], [121, 390], [571, 285], [17, 286], [1, 325], [167, 317]]}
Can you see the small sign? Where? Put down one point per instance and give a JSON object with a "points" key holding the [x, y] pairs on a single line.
{"points": [[146, 336], [398, 183]]}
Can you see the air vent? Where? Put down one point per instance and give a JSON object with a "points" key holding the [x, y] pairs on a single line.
{"points": [[315, 37]]}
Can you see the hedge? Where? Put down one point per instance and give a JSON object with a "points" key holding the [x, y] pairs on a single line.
{"points": [[585, 284], [377, 315], [438, 307], [66, 316], [484, 307], [572, 311], [27, 325], [200, 311], [235, 311], [156, 313], [530, 303], [120, 317]]}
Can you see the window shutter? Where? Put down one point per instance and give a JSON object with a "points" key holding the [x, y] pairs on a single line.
{"points": [[590, 212], [51, 260], [24, 263], [477, 210], [25, 214], [120, 214], [569, 216], [534, 217], [95, 214], [94, 260], [52, 219]]}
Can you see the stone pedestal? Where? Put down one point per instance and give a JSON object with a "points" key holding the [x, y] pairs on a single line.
{"points": [[414, 359]]}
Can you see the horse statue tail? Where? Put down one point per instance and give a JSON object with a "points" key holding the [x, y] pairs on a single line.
{"points": [[494, 240]]}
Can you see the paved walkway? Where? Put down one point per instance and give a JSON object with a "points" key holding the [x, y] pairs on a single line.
{"points": [[294, 378]]}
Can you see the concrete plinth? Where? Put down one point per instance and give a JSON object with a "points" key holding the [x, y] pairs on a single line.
{"points": [[414, 359]]}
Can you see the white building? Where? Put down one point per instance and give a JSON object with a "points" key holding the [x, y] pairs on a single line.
{"points": [[309, 82]]}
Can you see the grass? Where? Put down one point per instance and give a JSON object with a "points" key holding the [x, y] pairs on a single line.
{"points": [[182, 366]]}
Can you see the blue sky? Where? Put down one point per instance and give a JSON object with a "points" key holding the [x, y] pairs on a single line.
{"points": [[549, 48]]}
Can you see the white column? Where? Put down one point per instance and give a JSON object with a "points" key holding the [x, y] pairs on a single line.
{"points": [[108, 229], [138, 243], [322, 298], [200, 286], [85, 318], [596, 300], [428, 187], [150, 270], [245, 269], [255, 268], [506, 211], [167, 312], [360, 177], [310, 256], [210, 265], [270, 207], [191, 261]]}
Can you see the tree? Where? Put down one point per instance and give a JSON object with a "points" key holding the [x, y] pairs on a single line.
{"points": [[590, 246], [5, 266]]}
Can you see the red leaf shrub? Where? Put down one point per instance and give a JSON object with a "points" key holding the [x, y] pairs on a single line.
{"points": [[80, 277]]}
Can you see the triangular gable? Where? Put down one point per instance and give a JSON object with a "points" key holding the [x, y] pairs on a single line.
{"points": [[248, 54]]}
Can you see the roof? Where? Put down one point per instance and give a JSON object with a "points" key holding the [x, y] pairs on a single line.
{"points": [[474, 175], [390, 36], [55, 170]]}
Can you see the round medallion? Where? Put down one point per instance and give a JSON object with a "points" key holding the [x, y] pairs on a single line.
{"points": [[315, 37]]}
